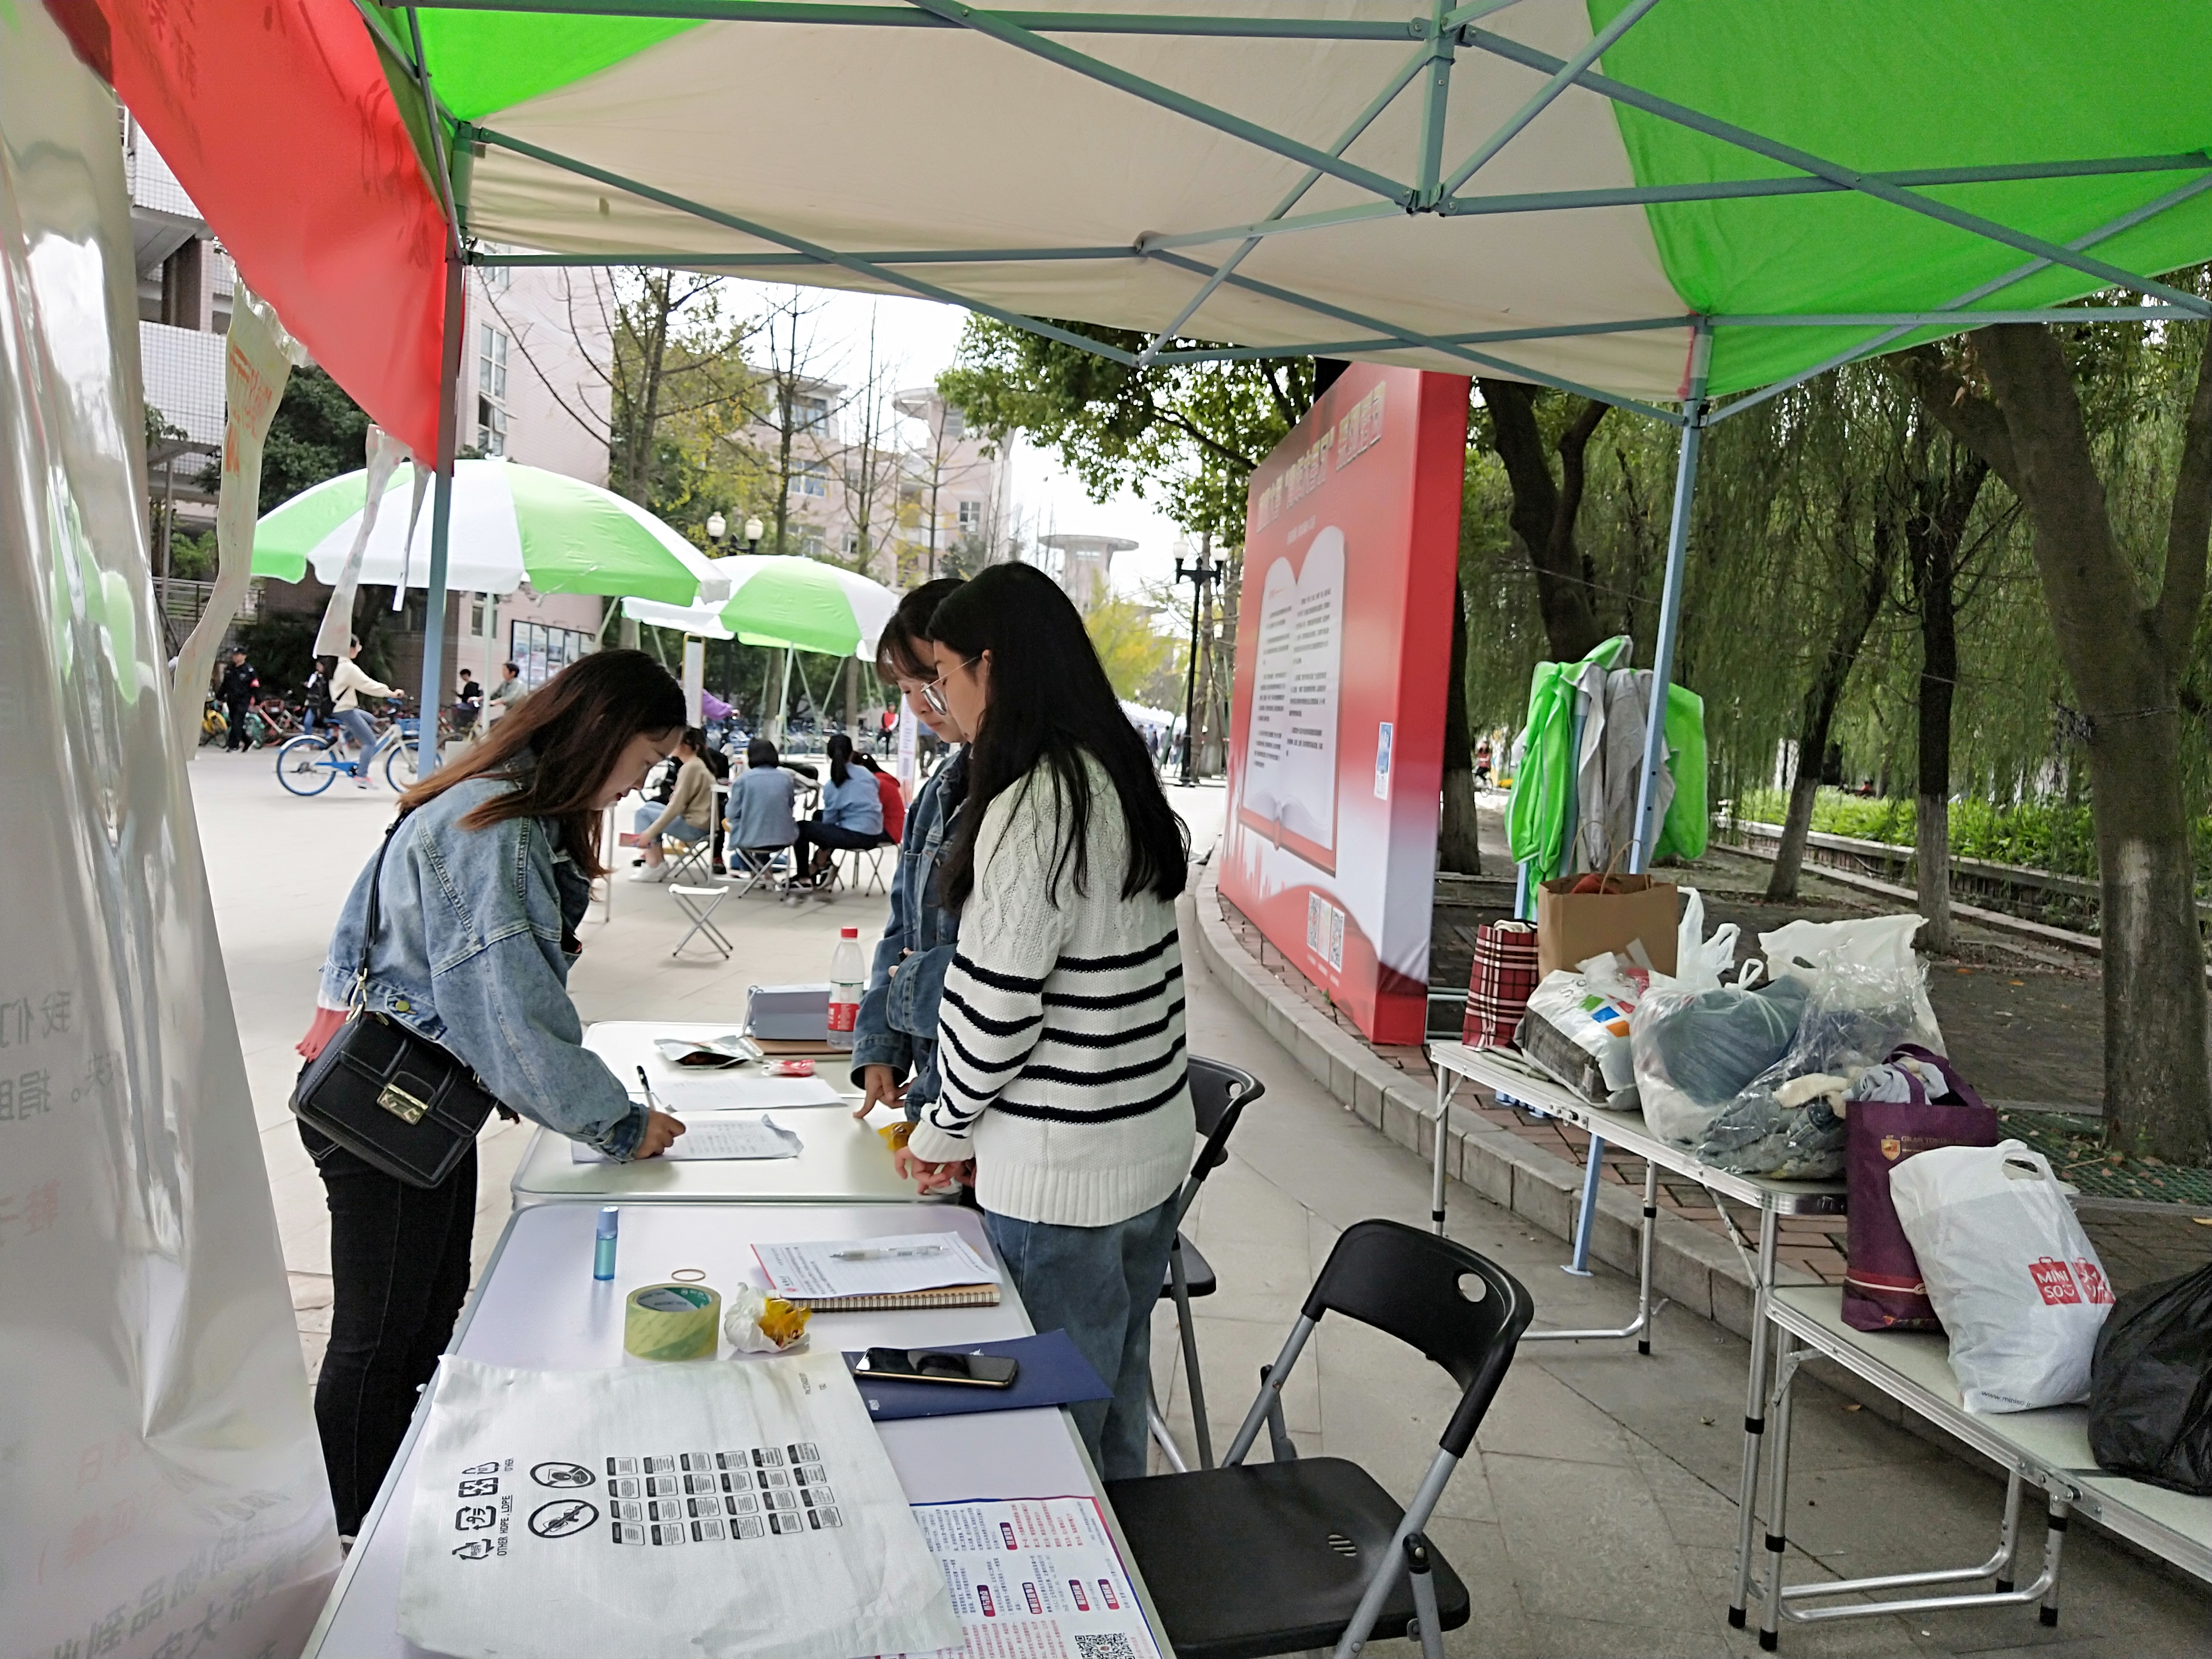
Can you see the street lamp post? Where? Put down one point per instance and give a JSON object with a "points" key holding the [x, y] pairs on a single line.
{"points": [[1198, 575], [718, 527]]}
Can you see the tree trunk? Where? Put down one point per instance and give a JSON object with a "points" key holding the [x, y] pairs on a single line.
{"points": [[1862, 604], [1459, 838], [2125, 659], [1543, 511], [1931, 836]]}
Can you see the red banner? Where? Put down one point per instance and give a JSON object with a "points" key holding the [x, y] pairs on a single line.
{"points": [[1343, 645]]}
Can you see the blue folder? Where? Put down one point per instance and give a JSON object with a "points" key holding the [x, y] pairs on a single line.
{"points": [[1052, 1374]]}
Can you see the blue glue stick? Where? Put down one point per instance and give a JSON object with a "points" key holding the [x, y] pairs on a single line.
{"points": [[603, 1251]]}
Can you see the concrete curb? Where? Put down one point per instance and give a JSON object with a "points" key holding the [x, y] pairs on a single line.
{"points": [[1691, 1267]]}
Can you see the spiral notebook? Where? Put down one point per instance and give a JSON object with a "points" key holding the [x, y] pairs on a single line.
{"points": [[856, 1275]]}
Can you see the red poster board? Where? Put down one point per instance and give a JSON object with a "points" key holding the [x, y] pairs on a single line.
{"points": [[1343, 646]]}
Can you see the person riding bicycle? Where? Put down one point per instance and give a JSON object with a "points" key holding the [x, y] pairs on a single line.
{"points": [[349, 685]]}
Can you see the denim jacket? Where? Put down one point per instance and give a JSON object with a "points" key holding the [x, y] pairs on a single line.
{"points": [[473, 952], [897, 1024]]}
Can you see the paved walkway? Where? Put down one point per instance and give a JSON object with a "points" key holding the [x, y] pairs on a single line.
{"points": [[1597, 1517]]}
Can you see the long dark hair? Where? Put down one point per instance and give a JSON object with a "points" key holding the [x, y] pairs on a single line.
{"points": [[557, 745], [902, 651], [839, 749], [1050, 705]]}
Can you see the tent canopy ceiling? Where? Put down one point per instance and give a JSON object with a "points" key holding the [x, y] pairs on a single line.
{"points": [[1560, 191]]}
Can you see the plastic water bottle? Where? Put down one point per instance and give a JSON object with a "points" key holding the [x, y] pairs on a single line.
{"points": [[845, 982]]}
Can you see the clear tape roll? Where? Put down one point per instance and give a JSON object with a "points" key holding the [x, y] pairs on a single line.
{"points": [[671, 1321]]}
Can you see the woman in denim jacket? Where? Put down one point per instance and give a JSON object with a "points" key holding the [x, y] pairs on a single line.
{"points": [[487, 875], [895, 1042]]}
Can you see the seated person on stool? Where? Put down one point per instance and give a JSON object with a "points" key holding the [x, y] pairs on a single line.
{"points": [[762, 821], [689, 814], [852, 815], [893, 797]]}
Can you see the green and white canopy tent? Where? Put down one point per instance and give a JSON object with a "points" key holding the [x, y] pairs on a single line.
{"points": [[1679, 205]]}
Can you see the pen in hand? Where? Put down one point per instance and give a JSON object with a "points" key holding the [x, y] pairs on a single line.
{"points": [[646, 1084], [903, 1253]]}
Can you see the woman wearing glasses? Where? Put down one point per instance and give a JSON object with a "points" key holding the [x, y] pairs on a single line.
{"points": [[895, 1042], [1062, 1067]]}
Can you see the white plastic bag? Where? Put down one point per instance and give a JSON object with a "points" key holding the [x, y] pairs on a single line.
{"points": [[1700, 964], [1799, 950], [1579, 1033], [2015, 1279]]}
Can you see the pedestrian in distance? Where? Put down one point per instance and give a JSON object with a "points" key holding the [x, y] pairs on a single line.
{"points": [[349, 683], [1062, 1068], [851, 816], [240, 689], [485, 880], [509, 691]]}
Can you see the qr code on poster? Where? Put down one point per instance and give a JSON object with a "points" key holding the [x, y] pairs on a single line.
{"points": [[1112, 1645]]}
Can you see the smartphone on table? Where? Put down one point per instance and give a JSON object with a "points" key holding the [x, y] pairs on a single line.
{"points": [[980, 1371]]}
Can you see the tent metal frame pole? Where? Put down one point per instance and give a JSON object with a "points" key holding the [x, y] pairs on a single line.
{"points": [[1042, 23], [1670, 601], [1366, 118], [1564, 76], [1865, 184], [796, 244], [1167, 98], [449, 379], [2127, 221]]}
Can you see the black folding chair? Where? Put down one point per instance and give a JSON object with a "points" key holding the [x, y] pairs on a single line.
{"points": [[1219, 1094], [1283, 1557]]}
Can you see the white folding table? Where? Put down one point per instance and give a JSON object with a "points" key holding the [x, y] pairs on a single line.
{"points": [[2048, 1449], [537, 1306], [1506, 1074], [844, 1161]]}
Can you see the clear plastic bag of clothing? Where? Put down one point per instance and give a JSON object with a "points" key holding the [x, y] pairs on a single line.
{"points": [[1787, 1122], [1695, 1051]]}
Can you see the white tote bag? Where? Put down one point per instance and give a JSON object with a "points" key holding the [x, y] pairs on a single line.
{"points": [[2014, 1278]]}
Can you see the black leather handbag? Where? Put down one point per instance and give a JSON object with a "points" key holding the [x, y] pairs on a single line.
{"points": [[392, 1098]]}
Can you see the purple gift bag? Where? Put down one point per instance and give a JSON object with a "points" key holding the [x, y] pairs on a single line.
{"points": [[1882, 1289]]}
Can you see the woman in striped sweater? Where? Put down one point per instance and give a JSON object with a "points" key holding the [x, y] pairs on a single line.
{"points": [[1061, 1021]]}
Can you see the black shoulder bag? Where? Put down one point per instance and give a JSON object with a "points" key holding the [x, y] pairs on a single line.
{"points": [[392, 1098]]}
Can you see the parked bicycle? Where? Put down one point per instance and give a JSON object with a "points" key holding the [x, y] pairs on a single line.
{"points": [[310, 763]]}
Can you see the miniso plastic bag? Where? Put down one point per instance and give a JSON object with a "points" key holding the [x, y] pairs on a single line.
{"points": [[1787, 1122], [2015, 1279]]}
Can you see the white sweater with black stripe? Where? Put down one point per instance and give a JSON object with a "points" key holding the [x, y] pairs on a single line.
{"points": [[1061, 1026]]}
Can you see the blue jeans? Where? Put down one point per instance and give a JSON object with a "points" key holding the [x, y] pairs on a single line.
{"points": [[1099, 1284], [358, 726], [679, 829]]}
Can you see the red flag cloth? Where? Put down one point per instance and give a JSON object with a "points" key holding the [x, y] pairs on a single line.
{"points": [[277, 120]]}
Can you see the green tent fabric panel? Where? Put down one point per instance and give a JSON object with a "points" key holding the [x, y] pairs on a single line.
{"points": [[1884, 85], [568, 530], [484, 62], [809, 616]]}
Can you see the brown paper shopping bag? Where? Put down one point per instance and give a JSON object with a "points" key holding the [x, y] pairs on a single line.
{"points": [[1572, 927]]}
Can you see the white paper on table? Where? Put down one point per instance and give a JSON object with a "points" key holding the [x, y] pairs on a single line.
{"points": [[696, 1510], [1036, 1579], [701, 1091], [707, 1139], [812, 1270]]}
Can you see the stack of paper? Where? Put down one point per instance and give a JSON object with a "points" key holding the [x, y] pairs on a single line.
{"points": [[715, 1138], [903, 1270]]}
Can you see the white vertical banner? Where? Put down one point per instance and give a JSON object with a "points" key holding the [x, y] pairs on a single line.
{"points": [[695, 677], [383, 454], [256, 360], [909, 732], [162, 1487]]}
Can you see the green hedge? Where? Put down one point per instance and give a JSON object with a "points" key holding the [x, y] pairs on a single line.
{"points": [[2041, 836]]}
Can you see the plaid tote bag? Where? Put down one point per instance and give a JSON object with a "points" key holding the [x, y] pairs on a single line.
{"points": [[1497, 990]]}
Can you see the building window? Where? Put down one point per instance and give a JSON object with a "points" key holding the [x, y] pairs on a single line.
{"points": [[810, 545], [810, 478], [541, 651], [956, 424], [494, 277], [971, 517], [491, 390], [808, 413]]}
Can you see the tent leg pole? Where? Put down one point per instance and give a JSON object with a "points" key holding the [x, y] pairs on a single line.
{"points": [[1670, 604], [441, 519]]}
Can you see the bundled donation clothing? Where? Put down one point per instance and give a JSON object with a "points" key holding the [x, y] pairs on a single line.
{"points": [[2011, 1274], [1866, 994], [1913, 1102], [2150, 1385]]}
